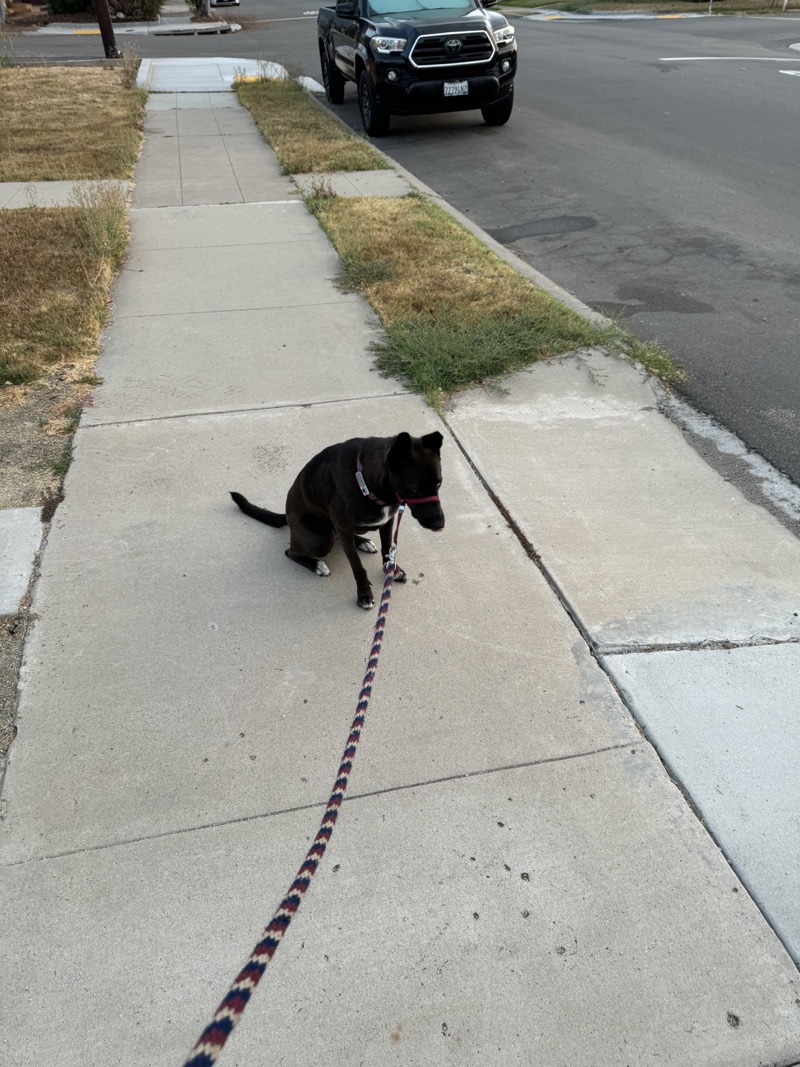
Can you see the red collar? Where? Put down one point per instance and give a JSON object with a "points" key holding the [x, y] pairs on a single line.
{"points": [[362, 485]]}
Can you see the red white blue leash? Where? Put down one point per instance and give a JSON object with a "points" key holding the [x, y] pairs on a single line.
{"points": [[212, 1040]]}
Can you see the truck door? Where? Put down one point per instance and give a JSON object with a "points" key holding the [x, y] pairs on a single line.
{"points": [[343, 36]]}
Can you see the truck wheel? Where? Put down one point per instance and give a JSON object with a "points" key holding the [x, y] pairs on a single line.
{"points": [[499, 114], [374, 117], [332, 78]]}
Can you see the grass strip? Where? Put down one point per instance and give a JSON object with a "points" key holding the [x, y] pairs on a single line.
{"points": [[68, 124], [305, 138], [56, 268], [454, 313]]}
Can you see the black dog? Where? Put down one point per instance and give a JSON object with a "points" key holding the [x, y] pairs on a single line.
{"points": [[351, 488]]}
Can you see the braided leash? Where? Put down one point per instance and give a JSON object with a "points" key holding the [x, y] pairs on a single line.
{"points": [[227, 1016]]}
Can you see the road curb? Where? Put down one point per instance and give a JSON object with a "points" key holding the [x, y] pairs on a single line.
{"points": [[144, 75]]}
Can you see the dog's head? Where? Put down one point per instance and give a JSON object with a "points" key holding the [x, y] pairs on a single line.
{"points": [[415, 474]]}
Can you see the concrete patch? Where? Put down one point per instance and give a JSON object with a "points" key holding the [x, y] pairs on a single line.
{"points": [[51, 194], [727, 723], [681, 558], [206, 156], [515, 918], [20, 537], [222, 226], [157, 366], [200, 75], [189, 101], [184, 672], [358, 183], [168, 281], [204, 148]]}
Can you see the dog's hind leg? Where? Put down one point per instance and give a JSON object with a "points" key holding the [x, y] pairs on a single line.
{"points": [[318, 566], [311, 539]]}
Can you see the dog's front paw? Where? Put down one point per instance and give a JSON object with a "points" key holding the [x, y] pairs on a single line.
{"points": [[399, 574], [366, 601], [363, 544], [322, 569]]}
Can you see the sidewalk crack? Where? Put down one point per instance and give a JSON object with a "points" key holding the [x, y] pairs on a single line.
{"points": [[316, 805]]}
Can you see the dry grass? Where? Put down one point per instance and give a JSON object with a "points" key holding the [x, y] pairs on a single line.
{"points": [[305, 138], [423, 261], [67, 123], [56, 264], [454, 313], [56, 267]]}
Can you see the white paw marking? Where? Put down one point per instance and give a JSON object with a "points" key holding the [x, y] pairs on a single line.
{"points": [[322, 569], [366, 546]]}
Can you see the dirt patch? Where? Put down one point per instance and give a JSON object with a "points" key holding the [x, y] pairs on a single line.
{"points": [[35, 440], [34, 455], [12, 639]]}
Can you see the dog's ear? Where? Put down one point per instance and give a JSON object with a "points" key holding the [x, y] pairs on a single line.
{"points": [[400, 451], [433, 441]]}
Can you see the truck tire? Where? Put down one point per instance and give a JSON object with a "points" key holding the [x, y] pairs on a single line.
{"points": [[499, 114], [332, 78], [374, 117]]}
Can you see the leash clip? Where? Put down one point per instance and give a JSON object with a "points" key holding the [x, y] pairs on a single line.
{"points": [[389, 565]]}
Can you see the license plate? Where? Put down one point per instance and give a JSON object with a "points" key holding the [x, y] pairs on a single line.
{"points": [[456, 88]]}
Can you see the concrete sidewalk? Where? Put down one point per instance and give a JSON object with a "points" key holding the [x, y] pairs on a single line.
{"points": [[515, 878]]}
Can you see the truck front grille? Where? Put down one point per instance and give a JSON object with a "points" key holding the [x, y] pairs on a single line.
{"points": [[439, 49]]}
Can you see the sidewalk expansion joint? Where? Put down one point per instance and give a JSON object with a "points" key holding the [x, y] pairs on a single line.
{"points": [[530, 550], [599, 655], [316, 805], [344, 299], [216, 203], [279, 406], [696, 646], [234, 245]]}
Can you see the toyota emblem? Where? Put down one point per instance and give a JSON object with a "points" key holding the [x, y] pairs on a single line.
{"points": [[452, 46]]}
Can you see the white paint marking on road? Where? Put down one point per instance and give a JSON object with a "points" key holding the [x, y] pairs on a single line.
{"points": [[795, 72], [736, 59]]}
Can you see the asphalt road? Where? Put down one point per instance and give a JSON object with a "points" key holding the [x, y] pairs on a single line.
{"points": [[661, 191]]}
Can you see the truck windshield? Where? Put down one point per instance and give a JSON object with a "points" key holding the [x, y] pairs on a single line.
{"points": [[412, 9]]}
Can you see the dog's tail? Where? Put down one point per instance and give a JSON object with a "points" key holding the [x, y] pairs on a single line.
{"points": [[271, 518]]}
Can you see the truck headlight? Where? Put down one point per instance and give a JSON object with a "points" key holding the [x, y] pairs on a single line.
{"points": [[504, 36], [388, 44]]}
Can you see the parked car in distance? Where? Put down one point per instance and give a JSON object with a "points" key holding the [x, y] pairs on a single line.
{"points": [[417, 57]]}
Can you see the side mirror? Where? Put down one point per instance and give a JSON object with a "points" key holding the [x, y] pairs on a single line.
{"points": [[346, 9]]}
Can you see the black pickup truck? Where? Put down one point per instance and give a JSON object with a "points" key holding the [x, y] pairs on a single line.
{"points": [[418, 57]]}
